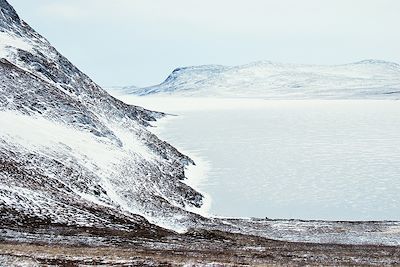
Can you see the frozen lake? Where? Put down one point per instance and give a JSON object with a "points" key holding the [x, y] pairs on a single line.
{"points": [[308, 159]]}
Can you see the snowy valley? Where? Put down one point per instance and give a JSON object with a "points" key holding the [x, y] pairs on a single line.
{"points": [[85, 178]]}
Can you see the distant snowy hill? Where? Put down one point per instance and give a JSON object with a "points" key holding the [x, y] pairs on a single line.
{"points": [[372, 79], [71, 154], [120, 90]]}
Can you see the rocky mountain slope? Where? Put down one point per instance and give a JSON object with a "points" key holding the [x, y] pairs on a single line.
{"points": [[71, 154], [368, 79]]}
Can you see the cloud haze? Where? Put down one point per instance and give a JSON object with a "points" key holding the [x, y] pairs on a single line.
{"points": [[141, 41]]}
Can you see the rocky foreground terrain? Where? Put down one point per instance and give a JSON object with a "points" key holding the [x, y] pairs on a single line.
{"points": [[70, 246], [83, 182]]}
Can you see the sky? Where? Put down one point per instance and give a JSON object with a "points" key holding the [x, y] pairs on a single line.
{"points": [[140, 42]]}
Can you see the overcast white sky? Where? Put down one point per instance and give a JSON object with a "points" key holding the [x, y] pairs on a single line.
{"points": [[139, 42]]}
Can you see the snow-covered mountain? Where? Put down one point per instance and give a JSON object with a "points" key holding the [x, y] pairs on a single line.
{"points": [[71, 154], [372, 79], [120, 90]]}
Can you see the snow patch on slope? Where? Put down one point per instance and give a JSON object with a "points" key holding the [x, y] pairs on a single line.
{"points": [[43, 136], [96, 154], [9, 42]]}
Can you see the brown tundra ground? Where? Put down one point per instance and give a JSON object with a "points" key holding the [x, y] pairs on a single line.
{"points": [[60, 246]]}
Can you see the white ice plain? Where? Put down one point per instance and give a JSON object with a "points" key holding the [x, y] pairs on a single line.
{"points": [[304, 159]]}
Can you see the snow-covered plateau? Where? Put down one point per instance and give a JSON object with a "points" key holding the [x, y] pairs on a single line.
{"points": [[367, 79]]}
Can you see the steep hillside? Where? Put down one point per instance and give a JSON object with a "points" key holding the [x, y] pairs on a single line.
{"points": [[71, 154], [368, 79]]}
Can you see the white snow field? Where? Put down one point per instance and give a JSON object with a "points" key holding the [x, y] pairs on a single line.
{"points": [[305, 159], [367, 79]]}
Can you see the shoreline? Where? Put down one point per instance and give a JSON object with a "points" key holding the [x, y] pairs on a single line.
{"points": [[195, 174], [189, 103]]}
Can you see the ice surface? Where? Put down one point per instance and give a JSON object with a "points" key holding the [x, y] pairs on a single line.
{"points": [[308, 159]]}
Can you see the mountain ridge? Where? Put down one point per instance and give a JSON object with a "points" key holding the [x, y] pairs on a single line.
{"points": [[366, 79]]}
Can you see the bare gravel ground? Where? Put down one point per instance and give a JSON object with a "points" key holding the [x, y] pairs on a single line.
{"points": [[195, 248]]}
